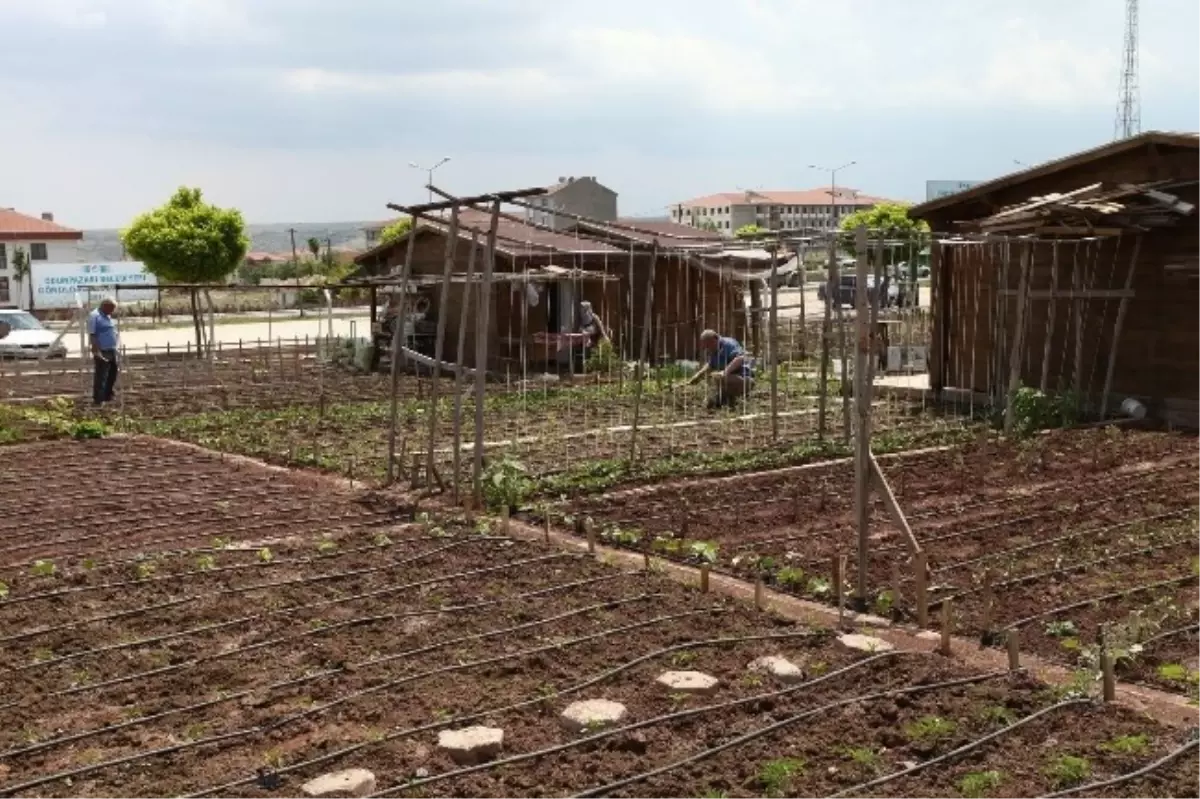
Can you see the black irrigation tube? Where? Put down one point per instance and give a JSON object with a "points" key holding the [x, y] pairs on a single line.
{"points": [[296, 680], [1169, 758], [764, 731], [1081, 566], [857, 790], [1191, 578], [605, 675], [250, 647], [248, 588], [1191, 628]]}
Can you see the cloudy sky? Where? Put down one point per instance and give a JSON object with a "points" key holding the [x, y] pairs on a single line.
{"points": [[311, 110]]}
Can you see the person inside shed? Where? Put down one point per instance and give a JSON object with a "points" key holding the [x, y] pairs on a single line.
{"points": [[591, 327], [731, 368]]}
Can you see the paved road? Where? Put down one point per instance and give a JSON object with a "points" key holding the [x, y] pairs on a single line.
{"points": [[789, 303], [181, 337]]}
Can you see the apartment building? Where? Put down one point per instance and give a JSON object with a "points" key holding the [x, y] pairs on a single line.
{"points": [[811, 209], [583, 196]]}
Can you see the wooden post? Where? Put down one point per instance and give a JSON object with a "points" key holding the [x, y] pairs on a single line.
{"points": [[803, 272], [1117, 326], [896, 593], [481, 341], [919, 565], [590, 528], [862, 402], [1044, 383], [1018, 341], [826, 335], [1108, 681], [947, 627], [937, 332], [893, 506], [704, 579], [415, 474], [1013, 644], [438, 345], [773, 343], [504, 518], [1077, 313], [758, 592], [458, 363], [989, 601], [646, 559], [644, 354], [397, 357], [839, 581]]}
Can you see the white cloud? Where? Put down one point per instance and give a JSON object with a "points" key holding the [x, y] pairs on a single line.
{"points": [[515, 83], [65, 13]]}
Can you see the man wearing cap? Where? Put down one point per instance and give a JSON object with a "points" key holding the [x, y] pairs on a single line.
{"points": [[730, 366], [103, 339]]}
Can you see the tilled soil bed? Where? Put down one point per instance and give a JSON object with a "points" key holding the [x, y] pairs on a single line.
{"points": [[248, 667], [1073, 529]]}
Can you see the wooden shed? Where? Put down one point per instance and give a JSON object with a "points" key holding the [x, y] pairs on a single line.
{"points": [[1081, 274], [540, 277]]}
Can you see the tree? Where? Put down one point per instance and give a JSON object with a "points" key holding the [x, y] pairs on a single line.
{"points": [[22, 271], [749, 232], [396, 230], [890, 220], [314, 246], [188, 241]]}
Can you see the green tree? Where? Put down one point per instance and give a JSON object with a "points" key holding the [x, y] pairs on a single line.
{"points": [[891, 220], [188, 241], [22, 271], [314, 246], [395, 230], [749, 232]]}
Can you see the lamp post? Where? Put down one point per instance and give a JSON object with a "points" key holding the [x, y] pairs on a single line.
{"points": [[833, 184], [429, 172]]}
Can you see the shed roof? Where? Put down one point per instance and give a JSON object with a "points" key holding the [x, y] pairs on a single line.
{"points": [[15, 226], [1107, 150]]}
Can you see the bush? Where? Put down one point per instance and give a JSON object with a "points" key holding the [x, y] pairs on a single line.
{"points": [[603, 358], [506, 483], [1034, 410]]}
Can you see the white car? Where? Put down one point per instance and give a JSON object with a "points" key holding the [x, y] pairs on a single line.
{"points": [[26, 338]]}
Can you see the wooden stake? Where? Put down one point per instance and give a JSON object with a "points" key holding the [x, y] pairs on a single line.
{"points": [[482, 334], [773, 343], [397, 357], [415, 474], [1013, 642], [458, 363], [919, 562], [893, 506], [646, 559], [989, 601], [644, 355], [547, 526], [439, 343], [826, 336], [1117, 326], [862, 402], [504, 518], [1050, 311], [1108, 681], [758, 592], [1016, 353], [947, 627], [704, 579], [838, 581], [591, 536]]}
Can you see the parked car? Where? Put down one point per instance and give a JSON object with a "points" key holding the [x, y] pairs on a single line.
{"points": [[847, 291], [26, 338]]}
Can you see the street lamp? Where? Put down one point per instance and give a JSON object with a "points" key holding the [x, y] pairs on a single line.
{"points": [[429, 172], [833, 183]]}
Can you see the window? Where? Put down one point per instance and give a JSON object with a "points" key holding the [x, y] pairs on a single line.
{"points": [[3, 256], [37, 251], [4, 297]]}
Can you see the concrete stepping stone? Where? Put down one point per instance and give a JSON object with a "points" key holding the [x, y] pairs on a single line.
{"points": [[351, 782], [778, 667], [592, 714], [866, 643], [689, 682], [471, 745]]}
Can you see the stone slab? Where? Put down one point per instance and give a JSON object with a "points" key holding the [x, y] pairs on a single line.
{"points": [[471, 745], [689, 682], [351, 782], [592, 714]]}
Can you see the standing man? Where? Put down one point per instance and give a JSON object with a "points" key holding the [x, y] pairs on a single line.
{"points": [[730, 366], [102, 337]]}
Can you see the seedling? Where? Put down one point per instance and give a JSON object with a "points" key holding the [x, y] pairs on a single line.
{"points": [[221, 542], [43, 568], [1177, 672], [818, 586], [144, 569], [483, 527], [3, 590], [979, 783], [865, 758], [1068, 770], [206, 563], [683, 659], [818, 668], [883, 603], [1070, 644], [752, 680], [89, 564], [714, 793], [1062, 629], [265, 555], [41, 655], [438, 532], [381, 540], [326, 546], [195, 732], [776, 776], [274, 758], [928, 728], [997, 714], [443, 714], [1127, 744], [703, 551], [790, 577]]}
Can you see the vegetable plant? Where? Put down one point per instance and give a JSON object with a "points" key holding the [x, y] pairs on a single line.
{"points": [[1128, 744], [206, 563], [776, 776], [506, 483], [790, 577], [864, 757], [1062, 629], [928, 728], [43, 568], [703, 551], [265, 555], [1067, 770], [979, 783]]}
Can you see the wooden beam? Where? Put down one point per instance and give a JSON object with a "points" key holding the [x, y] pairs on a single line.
{"points": [[1116, 339], [1018, 344], [862, 403], [1050, 319], [938, 330], [493, 197], [398, 357], [1086, 294], [893, 507], [643, 357], [439, 344], [481, 341], [461, 345], [826, 335]]}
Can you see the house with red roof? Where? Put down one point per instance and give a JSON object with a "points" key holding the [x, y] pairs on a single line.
{"points": [[38, 239], [805, 210]]}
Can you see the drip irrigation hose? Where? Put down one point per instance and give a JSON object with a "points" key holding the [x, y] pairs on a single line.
{"points": [[1189, 629], [858, 790], [1191, 578], [1166, 760], [764, 731], [541, 698]]}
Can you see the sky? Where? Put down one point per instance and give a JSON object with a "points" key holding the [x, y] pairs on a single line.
{"points": [[312, 110]]}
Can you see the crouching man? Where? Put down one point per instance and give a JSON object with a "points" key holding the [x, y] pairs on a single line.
{"points": [[731, 368]]}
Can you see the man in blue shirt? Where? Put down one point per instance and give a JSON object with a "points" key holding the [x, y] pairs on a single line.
{"points": [[102, 337], [731, 367]]}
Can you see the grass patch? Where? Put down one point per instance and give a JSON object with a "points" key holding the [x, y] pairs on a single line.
{"points": [[979, 783], [928, 728]]}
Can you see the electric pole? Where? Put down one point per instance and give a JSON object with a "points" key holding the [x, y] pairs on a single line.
{"points": [[1128, 121]]}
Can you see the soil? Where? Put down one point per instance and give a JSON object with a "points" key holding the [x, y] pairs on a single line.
{"points": [[186, 667], [1062, 518]]}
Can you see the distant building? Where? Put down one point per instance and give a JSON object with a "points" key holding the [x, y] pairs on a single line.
{"points": [[42, 240], [811, 209], [936, 189], [583, 196]]}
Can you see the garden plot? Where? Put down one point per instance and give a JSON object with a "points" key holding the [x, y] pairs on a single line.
{"points": [[1074, 529]]}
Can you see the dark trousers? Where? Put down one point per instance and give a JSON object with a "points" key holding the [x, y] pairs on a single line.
{"points": [[104, 379]]}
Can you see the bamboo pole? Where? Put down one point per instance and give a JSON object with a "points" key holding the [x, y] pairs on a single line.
{"points": [[893, 506], [1117, 326], [862, 402], [1018, 342], [438, 345], [458, 363], [1043, 384], [1013, 644], [481, 342], [643, 355], [773, 343], [826, 335], [397, 343]]}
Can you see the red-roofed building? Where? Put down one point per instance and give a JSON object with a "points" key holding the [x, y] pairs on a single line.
{"points": [[810, 209], [40, 239]]}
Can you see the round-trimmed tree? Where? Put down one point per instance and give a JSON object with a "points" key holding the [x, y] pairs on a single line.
{"points": [[188, 241]]}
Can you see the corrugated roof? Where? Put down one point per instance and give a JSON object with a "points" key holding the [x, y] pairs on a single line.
{"points": [[1106, 150], [817, 196], [17, 226]]}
